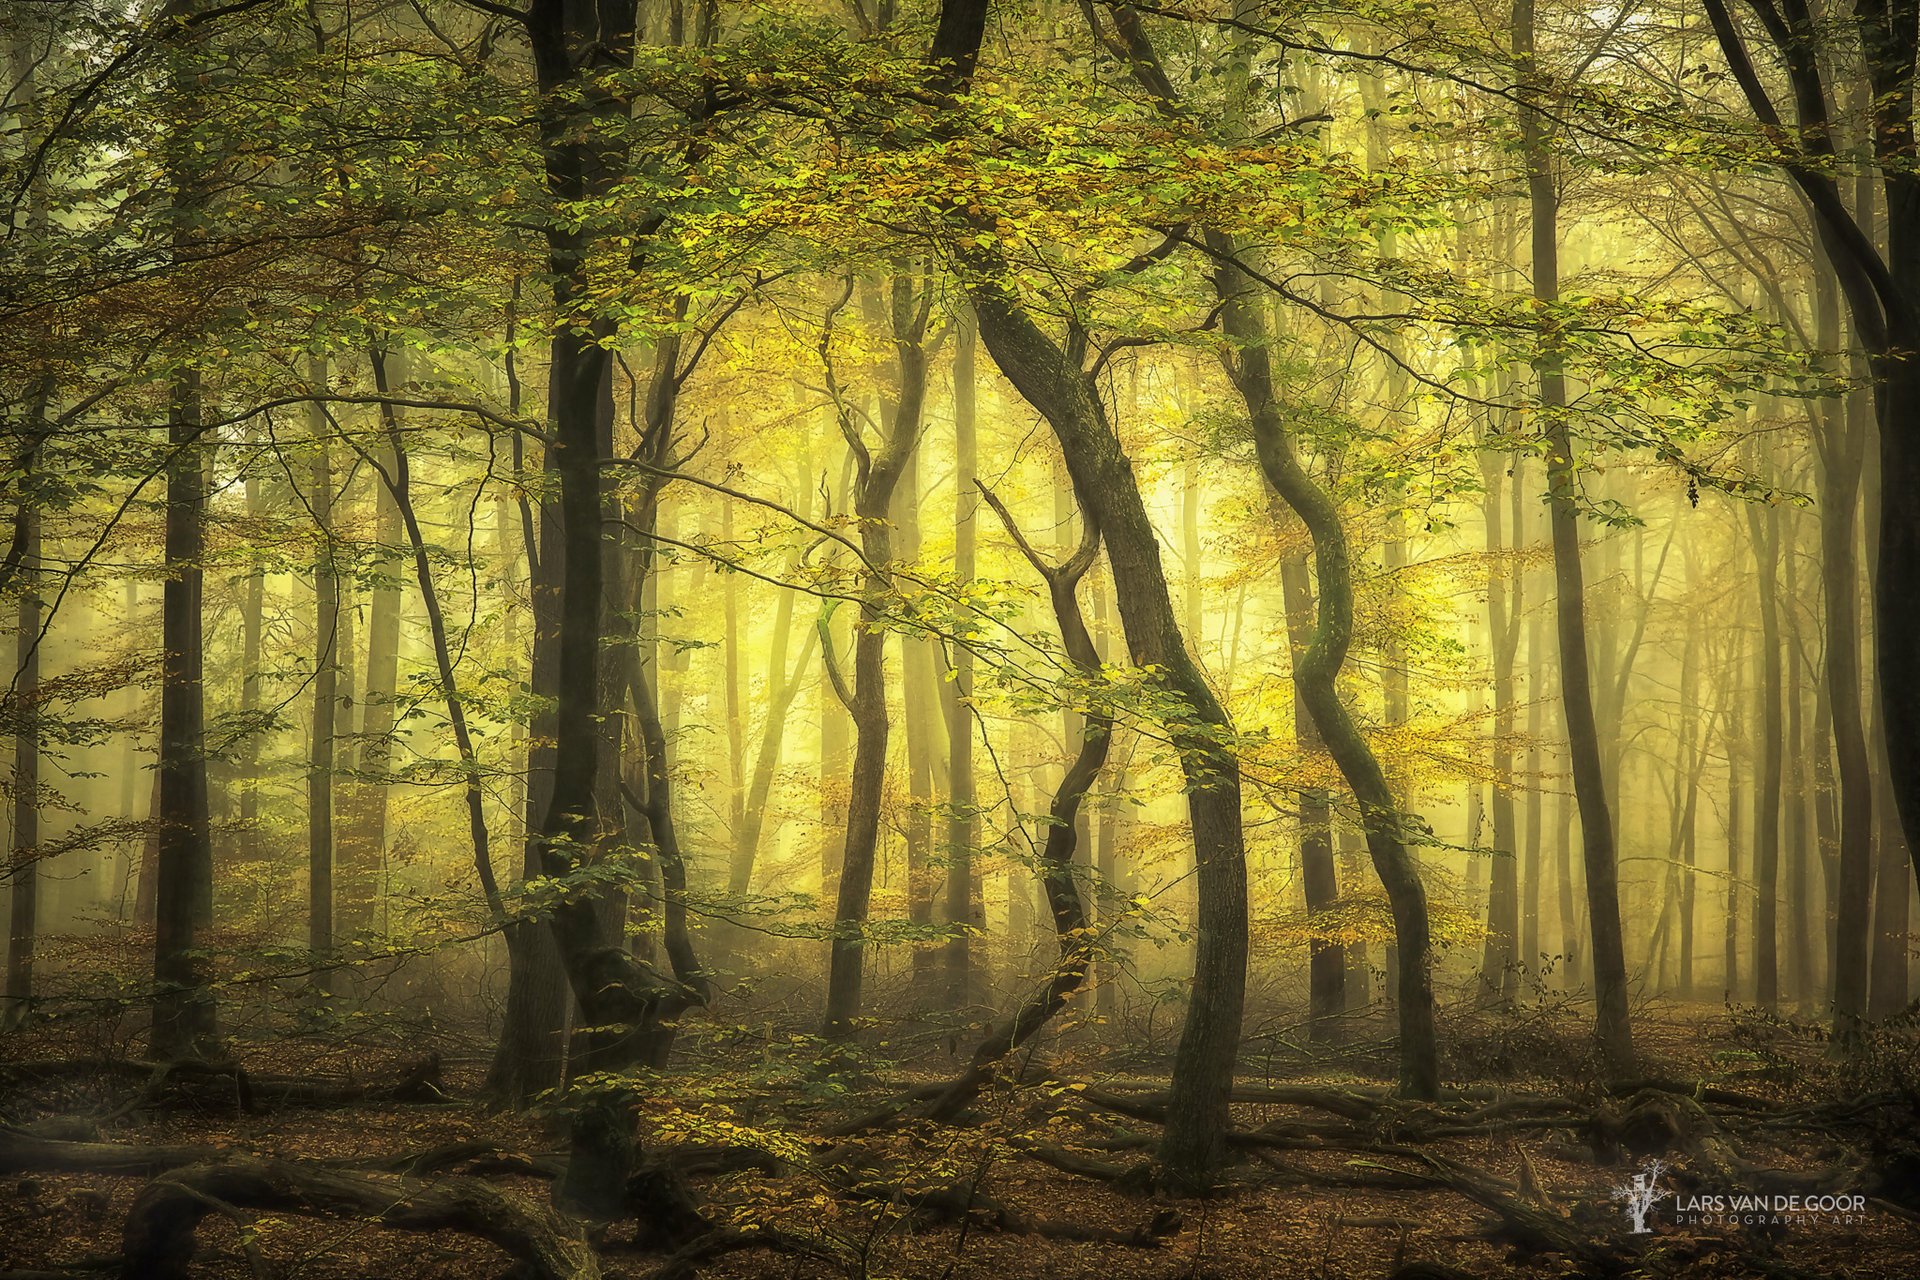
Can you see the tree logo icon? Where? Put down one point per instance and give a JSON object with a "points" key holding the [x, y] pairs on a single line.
{"points": [[1640, 1194]]}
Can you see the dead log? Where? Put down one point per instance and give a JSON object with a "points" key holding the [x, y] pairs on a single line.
{"points": [[22, 1152], [158, 1238], [200, 1083]]}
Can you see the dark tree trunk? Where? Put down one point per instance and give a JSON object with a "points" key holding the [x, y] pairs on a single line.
{"points": [[362, 848], [1612, 1029], [1109, 495], [1317, 669], [326, 695], [1765, 533], [531, 1055], [576, 45], [183, 1007], [24, 880], [877, 475], [1326, 959]]}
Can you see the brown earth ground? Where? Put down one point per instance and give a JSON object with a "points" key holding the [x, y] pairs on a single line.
{"points": [[1334, 1180]]}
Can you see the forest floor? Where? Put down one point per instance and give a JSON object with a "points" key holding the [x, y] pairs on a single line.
{"points": [[1520, 1171]]}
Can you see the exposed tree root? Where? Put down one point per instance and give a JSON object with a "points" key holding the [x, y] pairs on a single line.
{"points": [[159, 1233], [964, 1203]]}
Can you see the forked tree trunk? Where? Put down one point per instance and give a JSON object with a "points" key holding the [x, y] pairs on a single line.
{"points": [[1317, 670], [878, 473]]}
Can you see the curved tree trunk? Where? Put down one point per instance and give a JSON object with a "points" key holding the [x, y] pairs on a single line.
{"points": [[1317, 669], [1058, 876], [1326, 958], [1109, 494]]}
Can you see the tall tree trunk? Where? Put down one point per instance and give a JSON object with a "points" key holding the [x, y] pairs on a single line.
{"points": [[919, 694], [183, 1007], [1765, 532], [1326, 959], [326, 694], [1533, 869], [184, 1016], [1736, 748], [1103, 480], [877, 476], [1317, 670], [252, 614], [362, 851], [1799, 889], [24, 869], [1612, 1028], [576, 47], [1842, 444], [961, 905], [1505, 604], [530, 1057]]}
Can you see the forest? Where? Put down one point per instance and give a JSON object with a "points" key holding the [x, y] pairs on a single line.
{"points": [[846, 638]]}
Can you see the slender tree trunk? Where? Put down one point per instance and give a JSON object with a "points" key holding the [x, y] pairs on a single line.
{"points": [[1326, 960], [362, 851], [326, 695], [1505, 603], [24, 879], [1317, 670], [1533, 869], [530, 1057], [1799, 893], [878, 476], [1109, 495], [1736, 750], [1612, 1028], [961, 904], [919, 696], [247, 772], [1766, 797]]}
